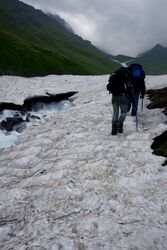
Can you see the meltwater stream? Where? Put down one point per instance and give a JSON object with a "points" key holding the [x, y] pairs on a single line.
{"points": [[40, 111]]}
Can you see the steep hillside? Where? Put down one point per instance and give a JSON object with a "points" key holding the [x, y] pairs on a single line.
{"points": [[33, 43], [154, 60], [21, 58]]}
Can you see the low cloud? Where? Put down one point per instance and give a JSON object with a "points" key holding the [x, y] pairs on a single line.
{"points": [[127, 27]]}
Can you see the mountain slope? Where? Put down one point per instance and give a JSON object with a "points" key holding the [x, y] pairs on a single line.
{"points": [[154, 60], [34, 43]]}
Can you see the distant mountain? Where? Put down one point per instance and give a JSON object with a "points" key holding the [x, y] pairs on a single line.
{"points": [[33, 43], [154, 60]]}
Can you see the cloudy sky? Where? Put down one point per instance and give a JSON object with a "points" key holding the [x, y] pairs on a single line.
{"points": [[127, 27]]}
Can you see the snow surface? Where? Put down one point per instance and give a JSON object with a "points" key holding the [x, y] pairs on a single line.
{"points": [[68, 184]]}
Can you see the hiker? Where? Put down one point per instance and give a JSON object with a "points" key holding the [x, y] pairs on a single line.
{"points": [[121, 88], [137, 78]]}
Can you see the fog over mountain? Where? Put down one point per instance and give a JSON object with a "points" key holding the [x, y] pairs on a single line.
{"points": [[119, 27]]}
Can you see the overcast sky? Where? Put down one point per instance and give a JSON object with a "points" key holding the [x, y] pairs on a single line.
{"points": [[127, 27]]}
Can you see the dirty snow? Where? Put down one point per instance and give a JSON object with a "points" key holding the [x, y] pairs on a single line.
{"points": [[66, 183]]}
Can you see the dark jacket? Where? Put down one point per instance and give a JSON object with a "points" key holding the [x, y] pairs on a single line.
{"points": [[118, 82]]}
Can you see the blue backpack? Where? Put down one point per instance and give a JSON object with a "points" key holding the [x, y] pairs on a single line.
{"points": [[137, 71]]}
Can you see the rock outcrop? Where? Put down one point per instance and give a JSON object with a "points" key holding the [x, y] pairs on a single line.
{"points": [[18, 121], [158, 98]]}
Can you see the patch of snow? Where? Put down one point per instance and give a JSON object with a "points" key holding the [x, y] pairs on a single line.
{"points": [[156, 82], [68, 184], [6, 113], [7, 140]]}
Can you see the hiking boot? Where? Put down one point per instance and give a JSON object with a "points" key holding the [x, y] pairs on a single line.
{"points": [[120, 128], [114, 130]]}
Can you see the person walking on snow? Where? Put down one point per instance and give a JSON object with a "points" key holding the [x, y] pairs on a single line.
{"points": [[121, 88], [137, 75]]}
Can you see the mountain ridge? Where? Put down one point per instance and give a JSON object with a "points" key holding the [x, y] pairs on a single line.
{"points": [[154, 61], [38, 44]]}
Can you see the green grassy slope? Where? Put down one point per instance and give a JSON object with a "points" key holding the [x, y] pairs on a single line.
{"points": [[20, 58], [33, 43]]}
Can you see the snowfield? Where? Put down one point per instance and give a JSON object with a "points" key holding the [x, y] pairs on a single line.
{"points": [[67, 184]]}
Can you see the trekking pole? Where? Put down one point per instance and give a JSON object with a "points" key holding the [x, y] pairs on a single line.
{"points": [[136, 123], [142, 104]]}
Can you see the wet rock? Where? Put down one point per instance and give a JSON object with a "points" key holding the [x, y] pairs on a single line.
{"points": [[30, 101], [20, 127], [158, 98], [29, 117], [38, 101], [35, 117], [12, 106], [17, 123], [160, 146], [11, 122]]}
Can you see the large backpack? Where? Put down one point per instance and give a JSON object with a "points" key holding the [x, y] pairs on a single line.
{"points": [[137, 71], [117, 83]]}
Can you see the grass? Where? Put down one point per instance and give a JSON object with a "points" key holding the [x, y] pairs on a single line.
{"points": [[33, 43]]}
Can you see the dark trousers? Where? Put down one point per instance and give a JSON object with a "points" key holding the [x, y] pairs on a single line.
{"points": [[120, 108], [131, 105]]}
